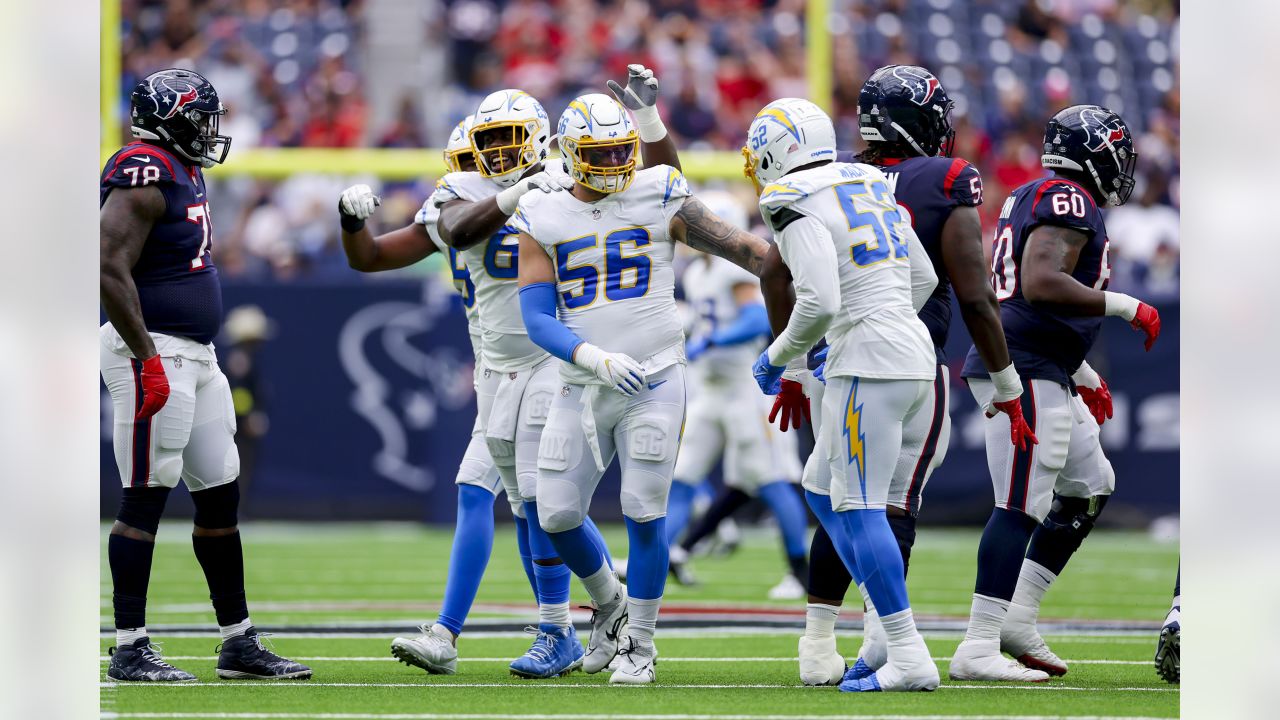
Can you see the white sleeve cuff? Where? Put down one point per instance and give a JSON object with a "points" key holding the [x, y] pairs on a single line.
{"points": [[649, 124], [508, 199], [1121, 305], [1008, 384]]}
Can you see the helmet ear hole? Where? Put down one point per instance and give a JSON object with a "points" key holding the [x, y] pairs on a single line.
{"points": [[764, 163]]}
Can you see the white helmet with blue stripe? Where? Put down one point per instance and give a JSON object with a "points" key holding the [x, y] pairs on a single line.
{"points": [[599, 143], [458, 149], [511, 133], [785, 135]]}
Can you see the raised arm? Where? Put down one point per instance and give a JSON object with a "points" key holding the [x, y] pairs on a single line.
{"points": [[124, 224], [389, 251], [640, 96], [700, 229]]}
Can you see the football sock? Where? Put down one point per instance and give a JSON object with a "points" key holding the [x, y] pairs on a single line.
{"points": [[526, 553], [597, 538], [986, 617], [793, 521], [900, 631], [1033, 582], [642, 618], [130, 561], [904, 531], [129, 636], [550, 571], [828, 577], [472, 544], [820, 620], [1177, 586], [602, 585], [222, 560], [679, 507], [236, 629], [576, 549], [724, 506], [878, 559], [1175, 611], [835, 534], [1001, 551], [647, 559]]}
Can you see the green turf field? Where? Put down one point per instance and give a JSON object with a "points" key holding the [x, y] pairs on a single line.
{"points": [[312, 580]]}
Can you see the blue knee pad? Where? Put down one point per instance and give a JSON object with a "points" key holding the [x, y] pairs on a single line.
{"points": [[647, 559], [217, 507], [789, 511], [472, 545], [679, 508], [879, 559], [821, 507]]}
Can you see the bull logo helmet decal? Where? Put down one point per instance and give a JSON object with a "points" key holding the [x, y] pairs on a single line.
{"points": [[1104, 129], [919, 81], [172, 94]]}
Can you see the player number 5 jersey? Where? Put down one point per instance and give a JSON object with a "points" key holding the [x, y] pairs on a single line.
{"points": [[875, 333], [614, 280]]}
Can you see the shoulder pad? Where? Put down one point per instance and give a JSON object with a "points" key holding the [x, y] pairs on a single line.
{"points": [[428, 214], [139, 166], [668, 183], [462, 186], [962, 183], [1062, 202], [783, 192], [519, 221]]}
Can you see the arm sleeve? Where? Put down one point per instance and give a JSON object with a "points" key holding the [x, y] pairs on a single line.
{"points": [[538, 306], [924, 280], [807, 250], [752, 322]]}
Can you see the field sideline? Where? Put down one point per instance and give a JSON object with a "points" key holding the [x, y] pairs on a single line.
{"points": [[335, 594]]}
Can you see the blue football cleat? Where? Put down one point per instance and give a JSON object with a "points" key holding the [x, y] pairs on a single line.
{"points": [[859, 671], [870, 683], [556, 651]]}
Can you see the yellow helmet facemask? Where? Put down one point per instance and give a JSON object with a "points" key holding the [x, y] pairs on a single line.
{"points": [[512, 138], [606, 166], [749, 169], [454, 159]]}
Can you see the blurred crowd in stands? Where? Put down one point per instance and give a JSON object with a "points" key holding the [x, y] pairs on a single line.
{"points": [[292, 72]]}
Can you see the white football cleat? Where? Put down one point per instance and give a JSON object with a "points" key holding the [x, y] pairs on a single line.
{"points": [[620, 569], [635, 663], [875, 644], [607, 625], [820, 662], [432, 651], [983, 661], [789, 589], [1019, 638]]}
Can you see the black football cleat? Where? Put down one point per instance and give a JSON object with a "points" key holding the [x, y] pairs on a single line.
{"points": [[141, 662], [1168, 653], [244, 658]]}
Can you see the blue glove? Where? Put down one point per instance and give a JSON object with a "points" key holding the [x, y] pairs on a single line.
{"points": [[768, 376], [820, 368], [696, 347], [820, 372]]}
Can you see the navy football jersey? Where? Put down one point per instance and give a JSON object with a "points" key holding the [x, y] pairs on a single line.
{"points": [[1045, 344], [177, 281], [929, 188]]}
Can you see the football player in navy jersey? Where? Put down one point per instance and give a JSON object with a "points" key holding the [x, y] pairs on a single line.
{"points": [[173, 412], [905, 117], [1049, 271]]}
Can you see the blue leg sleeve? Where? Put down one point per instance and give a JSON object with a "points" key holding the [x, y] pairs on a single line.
{"points": [[472, 544], [526, 554], [577, 549], [598, 539], [821, 506], [647, 558], [553, 577], [879, 559], [792, 520], [679, 506]]}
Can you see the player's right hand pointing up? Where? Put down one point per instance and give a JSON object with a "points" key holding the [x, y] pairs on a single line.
{"points": [[154, 388]]}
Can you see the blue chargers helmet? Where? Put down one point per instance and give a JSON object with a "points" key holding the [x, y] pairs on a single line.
{"points": [[907, 105], [180, 109], [1094, 142]]}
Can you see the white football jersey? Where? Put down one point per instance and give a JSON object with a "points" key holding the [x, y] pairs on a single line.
{"points": [[427, 217], [875, 333], [708, 284], [615, 283], [493, 265]]}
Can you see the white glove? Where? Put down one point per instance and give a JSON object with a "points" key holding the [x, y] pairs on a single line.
{"points": [[543, 180], [640, 96], [616, 370], [358, 201]]}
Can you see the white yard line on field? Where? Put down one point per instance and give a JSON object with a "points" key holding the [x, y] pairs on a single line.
{"points": [[317, 632], [568, 686], [665, 658], [541, 716]]}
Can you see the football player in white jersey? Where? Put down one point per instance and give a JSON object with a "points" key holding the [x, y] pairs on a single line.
{"points": [[598, 292], [728, 418], [839, 232]]}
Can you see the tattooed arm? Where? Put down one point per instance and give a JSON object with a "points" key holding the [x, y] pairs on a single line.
{"points": [[700, 229]]}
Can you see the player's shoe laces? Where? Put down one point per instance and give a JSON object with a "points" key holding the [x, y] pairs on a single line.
{"points": [[555, 652], [1019, 638], [635, 663], [858, 670], [607, 622], [243, 657], [678, 566], [820, 662], [432, 651], [913, 671], [141, 662], [789, 589], [1168, 652], [977, 661]]}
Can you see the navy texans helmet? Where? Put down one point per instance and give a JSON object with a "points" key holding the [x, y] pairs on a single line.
{"points": [[906, 104], [181, 109], [1093, 141]]}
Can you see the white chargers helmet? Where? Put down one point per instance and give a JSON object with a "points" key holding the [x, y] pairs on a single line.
{"points": [[458, 155], [511, 133], [598, 142], [785, 135]]}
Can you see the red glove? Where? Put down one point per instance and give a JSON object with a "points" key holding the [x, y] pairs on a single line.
{"points": [[1098, 400], [793, 403], [155, 388], [1019, 432], [1148, 321]]}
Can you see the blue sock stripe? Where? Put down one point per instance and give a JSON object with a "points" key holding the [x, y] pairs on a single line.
{"points": [[647, 558], [472, 545]]}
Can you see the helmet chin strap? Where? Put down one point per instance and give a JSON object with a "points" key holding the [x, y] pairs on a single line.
{"points": [[910, 140], [1112, 197]]}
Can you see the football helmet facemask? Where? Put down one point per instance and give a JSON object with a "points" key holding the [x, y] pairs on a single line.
{"points": [[458, 155], [510, 134], [599, 143]]}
